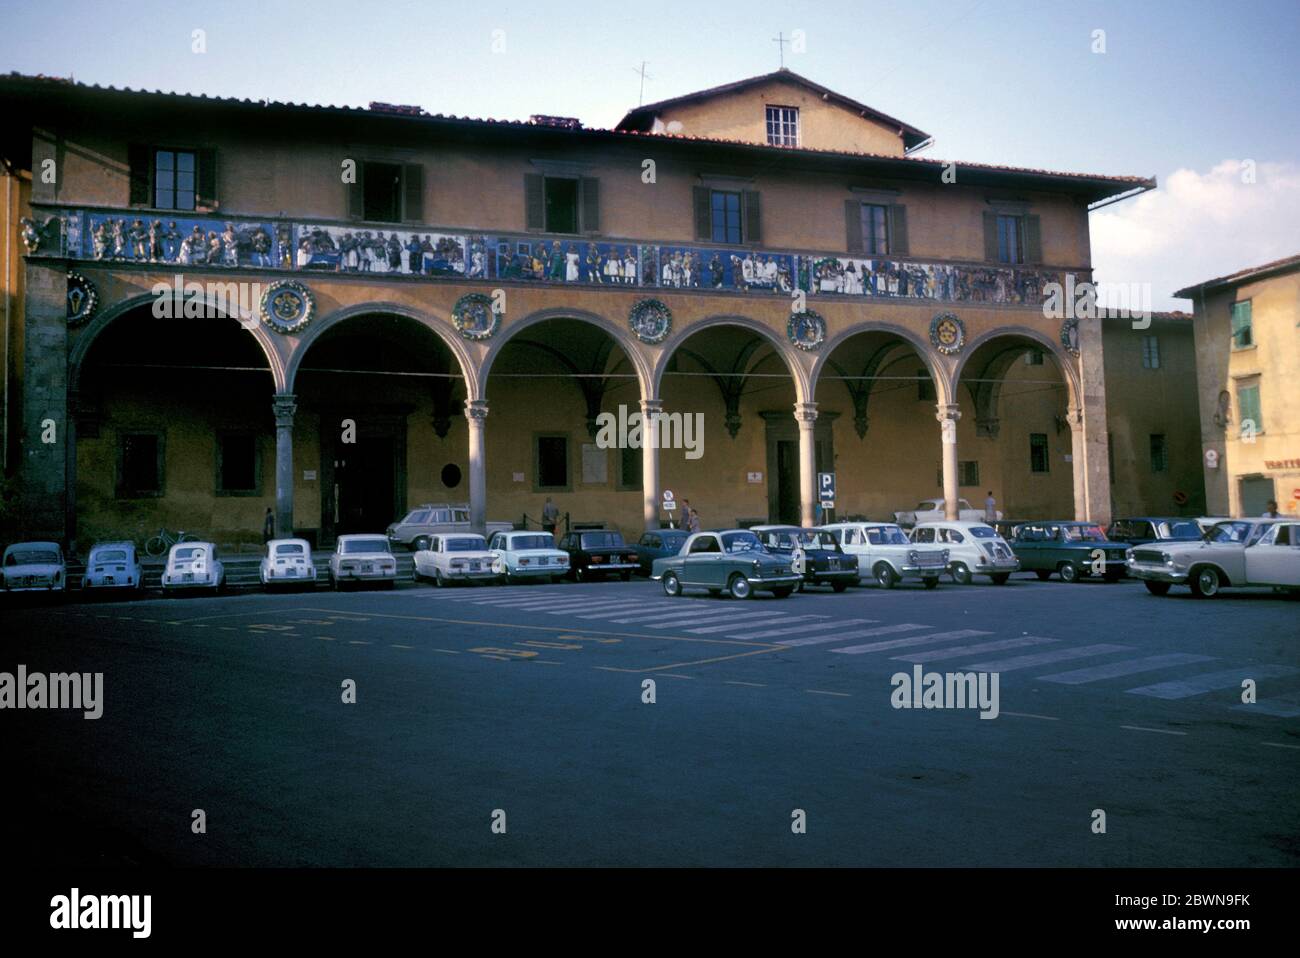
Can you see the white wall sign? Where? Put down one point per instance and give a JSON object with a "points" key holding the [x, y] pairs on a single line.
{"points": [[518, 477], [308, 475], [754, 477]]}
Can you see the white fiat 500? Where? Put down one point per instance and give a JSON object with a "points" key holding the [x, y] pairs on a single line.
{"points": [[529, 555], [458, 558], [34, 567], [362, 558], [974, 548], [113, 565], [886, 555], [287, 562], [193, 565]]}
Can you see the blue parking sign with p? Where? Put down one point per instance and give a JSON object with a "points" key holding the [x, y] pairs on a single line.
{"points": [[826, 486]]}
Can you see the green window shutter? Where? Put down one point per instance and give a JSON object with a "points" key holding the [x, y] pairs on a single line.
{"points": [[590, 205], [991, 237], [1033, 239], [898, 245], [413, 190], [137, 160], [356, 193], [703, 214], [853, 226], [207, 179], [752, 231], [534, 202]]}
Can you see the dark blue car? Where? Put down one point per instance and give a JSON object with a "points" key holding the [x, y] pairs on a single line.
{"points": [[656, 545], [1144, 529]]}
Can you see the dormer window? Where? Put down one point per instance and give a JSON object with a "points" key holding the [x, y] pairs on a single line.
{"points": [[782, 126]]}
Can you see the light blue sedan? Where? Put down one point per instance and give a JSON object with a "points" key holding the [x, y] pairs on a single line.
{"points": [[529, 555]]}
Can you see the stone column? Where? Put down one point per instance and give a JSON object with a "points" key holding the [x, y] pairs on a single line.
{"points": [[650, 408], [1092, 453], [806, 415], [476, 411], [46, 468], [284, 406], [948, 416]]}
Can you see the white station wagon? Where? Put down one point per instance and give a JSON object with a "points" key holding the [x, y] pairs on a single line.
{"points": [[193, 565], [974, 548], [885, 554], [457, 558], [362, 558], [113, 565], [529, 555], [931, 510], [287, 562], [34, 567]]}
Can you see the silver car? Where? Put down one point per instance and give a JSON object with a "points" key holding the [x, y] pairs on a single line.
{"points": [[1237, 552]]}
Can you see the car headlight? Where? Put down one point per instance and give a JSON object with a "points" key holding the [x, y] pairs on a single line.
{"points": [[946, 553], [1166, 558], [912, 556]]}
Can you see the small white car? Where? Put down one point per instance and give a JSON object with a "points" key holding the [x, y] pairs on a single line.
{"points": [[362, 558], [193, 565], [458, 558], [885, 554], [931, 510], [974, 548], [529, 555], [1236, 552], [34, 567], [287, 562], [113, 565]]}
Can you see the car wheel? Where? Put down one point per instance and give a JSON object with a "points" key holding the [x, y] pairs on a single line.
{"points": [[839, 586], [1157, 588], [1204, 582], [738, 587], [625, 577], [783, 592], [438, 580], [672, 585], [931, 582], [1000, 578], [885, 576], [960, 574], [1043, 574], [1068, 572]]}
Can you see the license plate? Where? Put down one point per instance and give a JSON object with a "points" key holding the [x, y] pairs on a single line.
{"points": [[367, 568], [188, 577], [473, 567]]}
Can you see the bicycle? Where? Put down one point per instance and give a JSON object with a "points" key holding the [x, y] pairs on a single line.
{"points": [[164, 540]]}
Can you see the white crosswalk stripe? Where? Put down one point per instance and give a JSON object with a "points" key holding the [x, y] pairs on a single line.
{"points": [[961, 651], [1043, 658], [853, 634], [803, 629], [535, 605], [1113, 670], [705, 612], [1210, 681], [613, 610], [663, 622], [908, 642], [765, 620]]}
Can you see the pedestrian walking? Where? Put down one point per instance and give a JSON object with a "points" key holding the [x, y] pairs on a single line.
{"points": [[990, 508], [550, 516], [1271, 512], [268, 525], [694, 522]]}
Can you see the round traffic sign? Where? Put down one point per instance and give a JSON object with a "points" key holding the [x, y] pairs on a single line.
{"points": [[668, 495]]}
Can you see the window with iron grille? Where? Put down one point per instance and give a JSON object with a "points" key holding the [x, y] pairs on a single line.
{"points": [[1159, 453], [1038, 460]]}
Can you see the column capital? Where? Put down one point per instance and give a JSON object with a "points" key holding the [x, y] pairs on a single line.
{"points": [[1074, 416], [476, 411], [947, 412], [805, 412], [285, 406]]}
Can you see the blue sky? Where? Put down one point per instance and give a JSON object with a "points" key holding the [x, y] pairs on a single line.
{"points": [[1183, 87]]}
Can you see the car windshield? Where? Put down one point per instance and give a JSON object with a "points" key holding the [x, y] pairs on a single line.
{"points": [[983, 532], [674, 540], [421, 515], [289, 549], [928, 506], [187, 554], [1229, 532], [460, 515], [465, 544], [1182, 530], [32, 557], [601, 540], [781, 539], [741, 542], [353, 546], [816, 539], [1082, 534], [886, 536], [531, 542], [109, 555]]}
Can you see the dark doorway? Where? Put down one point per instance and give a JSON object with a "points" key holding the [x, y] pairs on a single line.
{"points": [[787, 481], [783, 461], [364, 480]]}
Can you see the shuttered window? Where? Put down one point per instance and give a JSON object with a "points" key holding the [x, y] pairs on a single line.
{"points": [[724, 209], [1012, 238], [875, 229], [1150, 352], [1248, 408], [387, 193], [1242, 333], [561, 204]]}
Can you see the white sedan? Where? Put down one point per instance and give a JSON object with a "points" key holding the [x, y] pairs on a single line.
{"points": [[287, 562], [362, 558], [193, 565], [974, 548], [113, 565], [931, 510], [457, 557], [529, 555], [34, 567]]}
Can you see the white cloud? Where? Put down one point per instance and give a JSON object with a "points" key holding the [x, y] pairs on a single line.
{"points": [[1197, 226]]}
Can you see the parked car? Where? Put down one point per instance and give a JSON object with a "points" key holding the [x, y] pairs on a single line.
{"points": [[287, 562], [529, 555], [1209, 522], [814, 553], [931, 510], [1237, 552], [193, 565], [657, 545], [417, 527], [885, 554], [596, 553], [1143, 529], [733, 559], [360, 557], [458, 558], [113, 565], [1006, 528], [974, 548], [1071, 549], [34, 567]]}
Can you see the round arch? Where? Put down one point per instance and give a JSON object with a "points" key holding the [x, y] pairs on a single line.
{"points": [[623, 337], [454, 344], [802, 391], [944, 388], [1064, 365], [81, 348]]}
